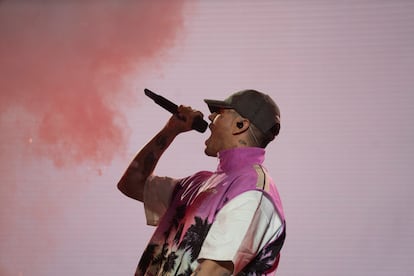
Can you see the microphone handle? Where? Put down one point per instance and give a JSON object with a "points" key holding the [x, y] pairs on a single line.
{"points": [[199, 124], [160, 100]]}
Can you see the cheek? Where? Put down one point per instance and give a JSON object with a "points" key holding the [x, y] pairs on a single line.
{"points": [[219, 134], [221, 122]]}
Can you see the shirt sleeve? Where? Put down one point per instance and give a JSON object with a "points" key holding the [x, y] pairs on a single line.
{"points": [[241, 229], [157, 197]]}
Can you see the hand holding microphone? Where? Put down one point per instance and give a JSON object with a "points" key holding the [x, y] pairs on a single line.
{"points": [[199, 123]]}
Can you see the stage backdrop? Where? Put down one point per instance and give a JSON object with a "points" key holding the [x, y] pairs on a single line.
{"points": [[73, 115]]}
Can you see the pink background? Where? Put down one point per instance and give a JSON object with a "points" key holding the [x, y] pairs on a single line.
{"points": [[73, 115]]}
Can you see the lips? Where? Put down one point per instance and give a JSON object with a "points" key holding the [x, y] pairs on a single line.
{"points": [[211, 134]]}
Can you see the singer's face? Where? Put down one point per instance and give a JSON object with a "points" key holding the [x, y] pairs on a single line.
{"points": [[221, 131]]}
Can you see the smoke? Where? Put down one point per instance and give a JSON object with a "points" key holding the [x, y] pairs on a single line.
{"points": [[62, 62], [63, 72]]}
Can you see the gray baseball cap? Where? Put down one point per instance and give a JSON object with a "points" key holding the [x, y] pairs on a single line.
{"points": [[253, 105]]}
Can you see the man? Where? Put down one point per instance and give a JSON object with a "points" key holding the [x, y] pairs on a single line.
{"points": [[225, 222]]}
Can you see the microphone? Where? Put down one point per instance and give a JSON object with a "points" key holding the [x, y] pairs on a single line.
{"points": [[198, 123]]}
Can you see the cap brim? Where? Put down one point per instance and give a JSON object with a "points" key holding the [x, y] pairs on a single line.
{"points": [[215, 105]]}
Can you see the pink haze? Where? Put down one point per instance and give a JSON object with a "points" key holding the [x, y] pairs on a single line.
{"points": [[63, 86]]}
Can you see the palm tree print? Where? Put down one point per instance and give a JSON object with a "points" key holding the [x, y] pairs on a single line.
{"points": [[266, 258], [147, 257], [194, 237], [170, 262]]}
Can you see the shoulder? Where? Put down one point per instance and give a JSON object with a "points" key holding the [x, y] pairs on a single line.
{"points": [[198, 176], [251, 201]]}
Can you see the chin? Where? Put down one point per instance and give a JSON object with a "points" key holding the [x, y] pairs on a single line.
{"points": [[210, 153]]}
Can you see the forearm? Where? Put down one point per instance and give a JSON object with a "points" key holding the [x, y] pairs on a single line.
{"points": [[212, 268], [133, 181]]}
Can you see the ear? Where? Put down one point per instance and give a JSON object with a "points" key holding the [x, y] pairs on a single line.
{"points": [[240, 125]]}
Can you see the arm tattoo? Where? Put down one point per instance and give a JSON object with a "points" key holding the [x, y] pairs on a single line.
{"points": [[149, 161], [161, 142]]}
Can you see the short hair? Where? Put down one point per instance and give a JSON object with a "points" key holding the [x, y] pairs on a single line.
{"points": [[257, 137], [263, 139]]}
